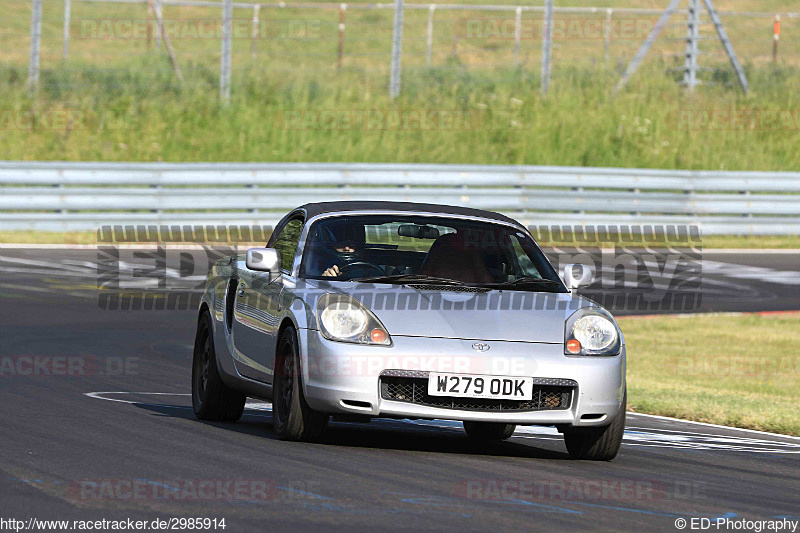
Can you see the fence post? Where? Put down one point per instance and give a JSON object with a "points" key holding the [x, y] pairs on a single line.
{"points": [[517, 34], [429, 40], [170, 51], [342, 9], [225, 60], [66, 30], [607, 36], [397, 50], [547, 42], [149, 24], [692, 51], [254, 32], [36, 41], [776, 36], [651, 38], [159, 32]]}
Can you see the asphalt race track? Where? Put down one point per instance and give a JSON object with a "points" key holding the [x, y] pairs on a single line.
{"points": [[96, 423]]}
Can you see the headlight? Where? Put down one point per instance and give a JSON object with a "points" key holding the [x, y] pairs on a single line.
{"points": [[591, 331], [345, 319]]}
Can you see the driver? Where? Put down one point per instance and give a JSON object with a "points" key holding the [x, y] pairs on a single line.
{"points": [[337, 243], [345, 251]]}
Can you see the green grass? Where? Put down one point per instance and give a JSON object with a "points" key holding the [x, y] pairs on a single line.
{"points": [[118, 100], [501, 119], [741, 371]]}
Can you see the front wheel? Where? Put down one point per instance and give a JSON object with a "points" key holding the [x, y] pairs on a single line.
{"points": [[292, 418], [597, 443], [489, 430], [211, 398]]}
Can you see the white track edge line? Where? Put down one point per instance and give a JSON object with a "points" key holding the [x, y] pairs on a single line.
{"points": [[97, 396], [671, 419]]}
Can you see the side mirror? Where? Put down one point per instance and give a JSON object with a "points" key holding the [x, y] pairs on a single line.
{"points": [[264, 260], [577, 275]]}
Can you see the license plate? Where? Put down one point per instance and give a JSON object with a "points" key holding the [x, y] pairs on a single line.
{"points": [[478, 386]]}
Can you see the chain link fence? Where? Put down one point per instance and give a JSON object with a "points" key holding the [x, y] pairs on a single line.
{"points": [[107, 45]]}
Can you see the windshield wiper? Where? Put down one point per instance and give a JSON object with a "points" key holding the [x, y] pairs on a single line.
{"points": [[524, 281], [408, 278]]}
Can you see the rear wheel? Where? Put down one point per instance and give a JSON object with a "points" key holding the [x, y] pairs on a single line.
{"points": [[489, 430], [292, 418], [597, 443], [211, 398]]}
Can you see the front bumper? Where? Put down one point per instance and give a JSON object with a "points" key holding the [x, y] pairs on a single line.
{"points": [[346, 378]]}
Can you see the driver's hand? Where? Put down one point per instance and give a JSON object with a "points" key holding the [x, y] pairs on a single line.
{"points": [[332, 272]]}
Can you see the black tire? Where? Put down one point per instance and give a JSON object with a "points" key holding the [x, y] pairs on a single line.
{"points": [[292, 418], [597, 443], [211, 398], [489, 430]]}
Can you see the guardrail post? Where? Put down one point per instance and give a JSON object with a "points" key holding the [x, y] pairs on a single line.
{"points": [[747, 215], [36, 42], [253, 186], [225, 60], [157, 189], [578, 191], [397, 50]]}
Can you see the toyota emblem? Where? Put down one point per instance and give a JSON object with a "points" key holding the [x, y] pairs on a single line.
{"points": [[481, 347]]}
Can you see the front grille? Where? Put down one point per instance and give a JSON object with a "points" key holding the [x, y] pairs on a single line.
{"points": [[415, 390]]}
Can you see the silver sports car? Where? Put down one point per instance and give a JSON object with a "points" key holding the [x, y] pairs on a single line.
{"points": [[356, 310]]}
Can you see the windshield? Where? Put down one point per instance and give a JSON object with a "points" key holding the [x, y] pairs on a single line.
{"points": [[422, 249]]}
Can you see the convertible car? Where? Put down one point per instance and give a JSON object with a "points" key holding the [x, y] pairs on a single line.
{"points": [[356, 310]]}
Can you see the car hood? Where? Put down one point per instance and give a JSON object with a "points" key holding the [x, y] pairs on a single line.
{"points": [[495, 315]]}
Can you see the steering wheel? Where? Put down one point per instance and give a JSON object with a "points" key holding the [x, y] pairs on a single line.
{"points": [[379, 271]]}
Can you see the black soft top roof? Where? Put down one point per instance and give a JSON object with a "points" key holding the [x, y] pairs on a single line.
{"points": [[318, 208]]}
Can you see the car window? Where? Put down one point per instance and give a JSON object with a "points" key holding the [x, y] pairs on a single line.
{"points": [[388, 234], [349, 248], [525, 266], [286, 242]]}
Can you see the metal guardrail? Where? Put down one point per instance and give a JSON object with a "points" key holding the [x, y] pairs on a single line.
{"points": [[56, 196]]}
